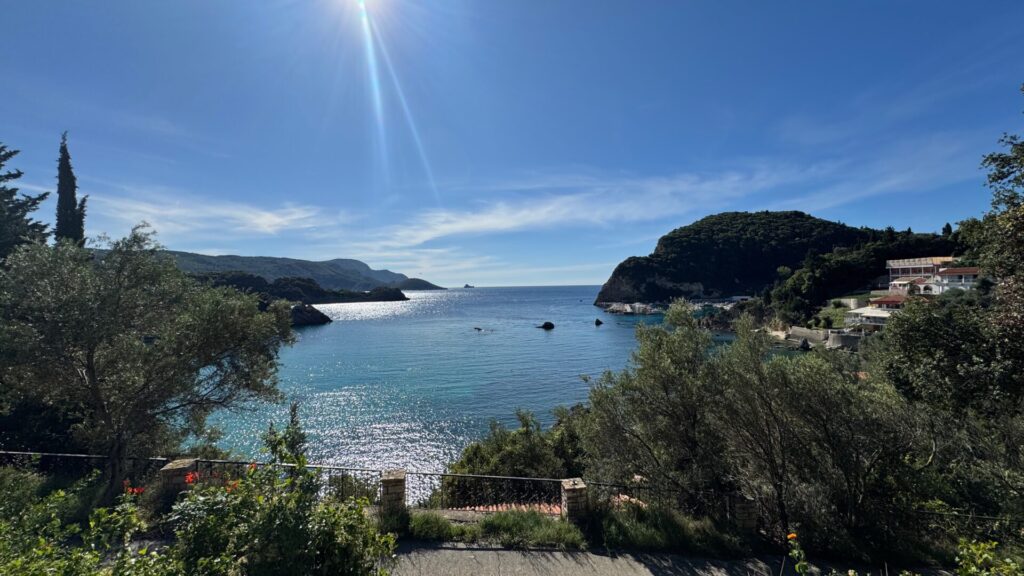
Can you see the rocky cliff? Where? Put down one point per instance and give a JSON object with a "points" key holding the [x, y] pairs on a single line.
{"points": [[727, 254]]}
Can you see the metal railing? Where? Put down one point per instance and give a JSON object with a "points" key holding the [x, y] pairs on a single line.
{"points": [[340, 481], [482, 493], [79, 465]]}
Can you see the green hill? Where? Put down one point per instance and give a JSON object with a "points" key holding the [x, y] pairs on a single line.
{"points": [[723, 255], [337, 274], [742, 253]]}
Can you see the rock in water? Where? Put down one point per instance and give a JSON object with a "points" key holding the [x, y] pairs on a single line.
{"points": [[307, 315], [598, 322], [547, 326]]}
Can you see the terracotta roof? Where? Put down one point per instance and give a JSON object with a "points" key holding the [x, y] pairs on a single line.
{"points": [[890, 299], [958, 271]]}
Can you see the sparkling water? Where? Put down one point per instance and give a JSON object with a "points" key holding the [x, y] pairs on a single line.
{"points": [[409, 384]]}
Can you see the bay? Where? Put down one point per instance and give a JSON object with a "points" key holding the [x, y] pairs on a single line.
{"points": [[409, 384]]}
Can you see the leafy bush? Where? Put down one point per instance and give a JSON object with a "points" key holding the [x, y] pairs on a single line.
{"points": [[662, 529], [520, 529], [982, 559], [36, 538], [275, 516]]}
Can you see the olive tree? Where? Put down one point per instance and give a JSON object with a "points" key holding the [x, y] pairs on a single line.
{"points": [[135, 348]]}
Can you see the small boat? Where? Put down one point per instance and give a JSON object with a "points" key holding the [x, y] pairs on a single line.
{"points": [[469, 286]]}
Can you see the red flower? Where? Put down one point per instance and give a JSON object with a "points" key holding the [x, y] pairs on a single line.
{"points": [[252, 466], [231, 486], [138, 490], [191, 477]]}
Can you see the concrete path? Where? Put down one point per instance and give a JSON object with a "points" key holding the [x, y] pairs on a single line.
{"points": [[462, 560]]}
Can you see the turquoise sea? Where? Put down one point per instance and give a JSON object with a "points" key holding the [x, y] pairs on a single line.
{"points": [[409, 384]]}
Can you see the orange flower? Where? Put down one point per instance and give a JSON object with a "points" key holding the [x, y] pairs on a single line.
{"points": [[231, 486], [791, 536], [252, 466]]}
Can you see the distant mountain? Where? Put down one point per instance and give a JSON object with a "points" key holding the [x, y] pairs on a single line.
{"points": [[303, 290], [415, 284], [337, 274], [725, 254]]}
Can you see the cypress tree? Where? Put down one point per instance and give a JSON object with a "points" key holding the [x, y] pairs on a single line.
{"points": [[15, 225], [70, 211]]}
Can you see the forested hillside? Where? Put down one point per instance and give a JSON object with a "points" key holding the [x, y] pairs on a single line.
{"points": [[796, 261], [725, 254], [337, 274]]}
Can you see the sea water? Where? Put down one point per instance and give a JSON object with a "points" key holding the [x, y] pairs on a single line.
{"points": [[409, 384]]}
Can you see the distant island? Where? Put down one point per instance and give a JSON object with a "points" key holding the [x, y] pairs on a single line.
{"points": [[337, 274], [303, 291], [802, 258]]}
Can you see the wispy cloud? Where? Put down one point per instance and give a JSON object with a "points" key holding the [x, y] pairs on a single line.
{"points": [[916, 165], [571, 199], [177, 215]]}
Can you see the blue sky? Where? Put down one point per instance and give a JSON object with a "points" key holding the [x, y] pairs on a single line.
{"points": [[505, 142]]}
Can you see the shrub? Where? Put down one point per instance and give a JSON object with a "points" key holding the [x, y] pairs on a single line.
{"points": [[36, 539], [520, 529], [662, 529], [433, 526], [277, 516]]}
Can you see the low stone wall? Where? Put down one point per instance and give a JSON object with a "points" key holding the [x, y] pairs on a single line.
{"points": [[812, 336], [844, 341]]}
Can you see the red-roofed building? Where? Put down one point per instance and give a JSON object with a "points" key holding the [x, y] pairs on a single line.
{"points": [[963, 278]]}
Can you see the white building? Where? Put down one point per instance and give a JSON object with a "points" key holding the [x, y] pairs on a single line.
{"points": [[873, 316], [929, 276], [964, 278], [926, 267]]}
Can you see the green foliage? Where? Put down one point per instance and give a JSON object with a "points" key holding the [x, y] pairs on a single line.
{"points": [[656, 528], [70, 211], [522, 529], [725, 254], [804, 436], [845, 269], [527, 450], [654, 419], [37, 538], [275, 517], [983, 559], [137, 352], [16, 225]]}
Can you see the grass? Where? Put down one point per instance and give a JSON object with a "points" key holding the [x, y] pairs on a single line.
{"points": [[512, 529], [433, 526], [621, 527], [837, 315], [526, 529], [658, 529]]}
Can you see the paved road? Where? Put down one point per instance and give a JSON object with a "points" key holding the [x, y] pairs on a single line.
{"points": [[461, 560]]}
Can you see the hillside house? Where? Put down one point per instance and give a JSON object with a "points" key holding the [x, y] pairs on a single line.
{"points": [[910, 267], [874, 316]]}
